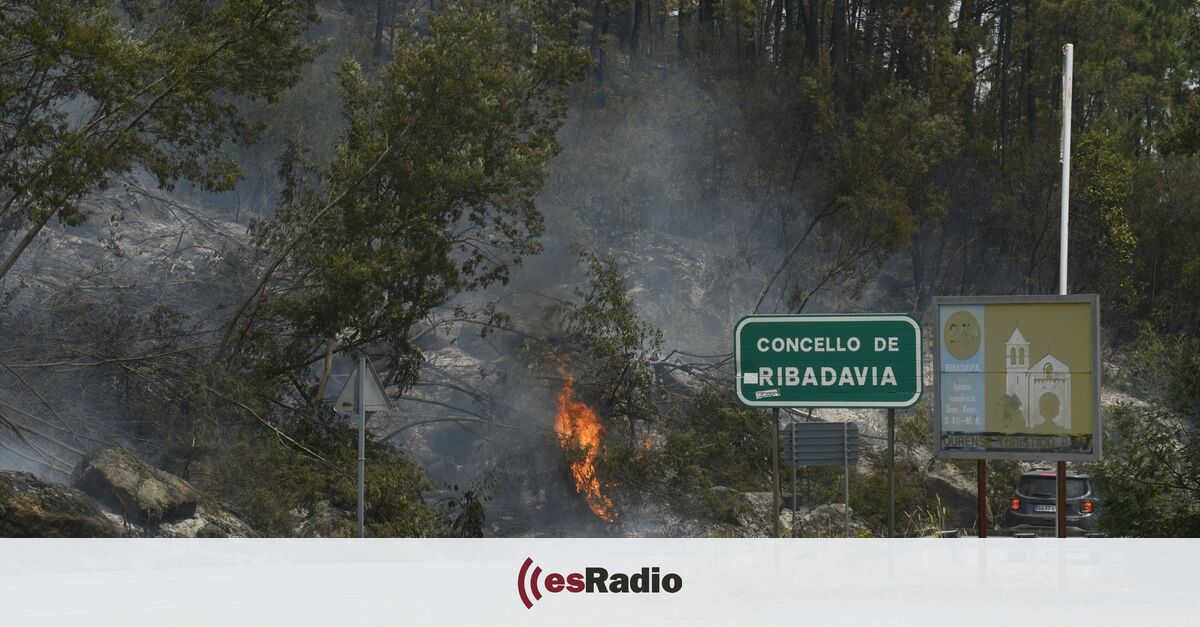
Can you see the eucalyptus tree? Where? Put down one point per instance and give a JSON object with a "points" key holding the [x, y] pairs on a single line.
{"points": [[430, 190], [92, 89]]}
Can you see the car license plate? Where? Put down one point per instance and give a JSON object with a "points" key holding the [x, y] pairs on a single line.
{"points": [[1045, 508]]}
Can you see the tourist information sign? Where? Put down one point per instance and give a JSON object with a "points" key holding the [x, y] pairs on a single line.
{"points": [[845, 360], [1018, 377]]}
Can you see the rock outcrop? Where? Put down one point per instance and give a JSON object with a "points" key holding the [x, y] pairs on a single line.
{"points": [[32, 508], [142, 500], [140, 492], [116, 495]]}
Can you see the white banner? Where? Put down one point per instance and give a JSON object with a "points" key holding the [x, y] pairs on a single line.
{"points": [[998, 581]]}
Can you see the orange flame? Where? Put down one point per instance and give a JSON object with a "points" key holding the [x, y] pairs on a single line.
{"points": [[646, 444], [577, 425]]}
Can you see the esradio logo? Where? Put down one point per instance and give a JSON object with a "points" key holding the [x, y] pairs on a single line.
{"points": [[531, 581]]}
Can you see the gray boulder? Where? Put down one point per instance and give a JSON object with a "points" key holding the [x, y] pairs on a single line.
{"points": [[825, 521], [32, 508], [210, 521], [140, 492]]}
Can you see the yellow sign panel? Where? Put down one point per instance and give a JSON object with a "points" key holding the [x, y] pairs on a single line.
{"points": [[1018, 377]]}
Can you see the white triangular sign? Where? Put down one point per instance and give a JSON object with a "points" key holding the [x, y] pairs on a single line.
{"points": [[375, 399]]}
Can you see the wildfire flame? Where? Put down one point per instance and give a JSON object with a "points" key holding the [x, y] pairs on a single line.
{"points": [[578, 426]]}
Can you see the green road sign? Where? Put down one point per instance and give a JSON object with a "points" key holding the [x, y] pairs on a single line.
{"points": [[850, 360]]}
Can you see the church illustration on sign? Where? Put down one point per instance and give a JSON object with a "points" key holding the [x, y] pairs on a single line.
{"points": [[1043, 389]]}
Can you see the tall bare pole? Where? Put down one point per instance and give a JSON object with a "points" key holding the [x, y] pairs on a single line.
{"points": [[1068, 67], [1065, 156]]}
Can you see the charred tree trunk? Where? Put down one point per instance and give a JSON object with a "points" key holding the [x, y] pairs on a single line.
{"points": [[596, 44], [813, 30], [968, 25], [707, 24], [380, 16], [635, 28], [1005, 44], [681, 25], [1028, 79], [837, 34]]}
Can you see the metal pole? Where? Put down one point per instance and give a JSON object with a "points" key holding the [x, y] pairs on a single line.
{"points": [[846, 474], [891, 425], [981, 485], [775, 469], [793, 460], [1068, 62], [1068, 68], [361, 396], [1061, 510]]}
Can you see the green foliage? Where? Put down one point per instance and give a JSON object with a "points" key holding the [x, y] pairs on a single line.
{"points": [[1100, 198], [714, 447], [656, 446], [431, 188], [614, 345], [886, 172], [722, 441], [919, 505], [606, 349], [466, 514], [1166, 225], [150, 85], [1165, 369], [1150, 475], [288, 487]]}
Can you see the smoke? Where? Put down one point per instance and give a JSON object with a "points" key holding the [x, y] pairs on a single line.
{"points": [[661, 168], [88, 306], [654, 171]]}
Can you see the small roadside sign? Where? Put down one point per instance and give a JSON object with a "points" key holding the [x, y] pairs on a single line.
{"points": [[846, 360], [374, 397], [362, 393], [820, 444]]}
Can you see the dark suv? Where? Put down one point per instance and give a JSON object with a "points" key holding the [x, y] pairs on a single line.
{"points": [[1033, 505]]}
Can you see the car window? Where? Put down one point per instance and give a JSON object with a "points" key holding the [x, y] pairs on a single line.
{"points": [[1044, 487]]}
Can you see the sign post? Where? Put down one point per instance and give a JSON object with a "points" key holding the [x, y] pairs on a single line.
{"points": [[1068, 64], [792, 442], [846, 360], [363, 392], [775, 468], [359, 404], [1018, 377], [891, 427], [846, 479], [981, 495], [822, 444]]}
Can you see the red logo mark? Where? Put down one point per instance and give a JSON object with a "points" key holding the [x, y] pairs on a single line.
{"points": [[533, 582]]}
